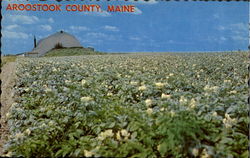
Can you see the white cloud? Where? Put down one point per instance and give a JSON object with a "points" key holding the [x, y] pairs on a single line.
{"points": [[239, 38], [135, 38], [11, 27], [237, 31], [137, 11], [46, 27], [221, 28], [15, 35], [223, 38], [216, 16], [23, 19], [97, 35], [111, 28], [51, 20], [78, 28], [102, 13]]}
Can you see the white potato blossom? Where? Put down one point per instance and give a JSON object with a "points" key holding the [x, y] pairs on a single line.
{"points": [[133, 83], [118, 135], [105, 134], [195, 152], [54, 69], [19, 135], [26, 89], [215, 114], [172, 113], [233, 92], [171, 74], [142, 88], [228, 121], [67, 81], [149, 111], [109, 94], [213, 88], [148, 102], [165, 96], [125, 133], [183, 100], [86, 99], [48, 90], [205, 154], [88, 153], [227, 81], [27, 131], [159, 84], [193, 103], [83, 82]]}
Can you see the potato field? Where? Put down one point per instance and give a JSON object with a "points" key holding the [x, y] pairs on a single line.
{"points": [[135, 105]]}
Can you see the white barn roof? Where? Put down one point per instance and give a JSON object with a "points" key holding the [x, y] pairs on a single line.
{"points": [[48, 43]]}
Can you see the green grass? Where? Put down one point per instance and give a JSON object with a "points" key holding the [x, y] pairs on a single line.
{"points": [[71, 52]]}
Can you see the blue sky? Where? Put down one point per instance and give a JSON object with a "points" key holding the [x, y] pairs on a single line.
{"points": [[154, 27]]}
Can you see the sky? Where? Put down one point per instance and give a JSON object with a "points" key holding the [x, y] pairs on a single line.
{"points": [[155, 26]]}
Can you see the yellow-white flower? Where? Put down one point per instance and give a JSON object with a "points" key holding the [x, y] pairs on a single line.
{"points": [[172, 113], [43, 125], [67, 81], [171, 74], [205, 154], [165, 96], [162, 109], [215, 88], [109, 94], [51, 123], [85, 99], [228, 121], [149, 111], [148, 102], [192, 103], [233, 92], [195, 152], [105, 134], [215, 114], [159, 84], [28, 131], [227, 81], [83, 82], [88, 153], [159, 147], [118, 135], [54, 69], [19, 135], [26, 89], [142, 88], [133, 83], [183, 100], [48, 90], [125, 133]]}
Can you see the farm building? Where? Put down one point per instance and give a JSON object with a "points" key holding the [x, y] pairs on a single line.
{"points": [[57, 40]]}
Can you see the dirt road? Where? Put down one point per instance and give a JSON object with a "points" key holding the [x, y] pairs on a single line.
{"points": [[8, 81]]}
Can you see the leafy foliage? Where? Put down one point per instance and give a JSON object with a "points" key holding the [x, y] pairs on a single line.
{"points": [[161, 105]]}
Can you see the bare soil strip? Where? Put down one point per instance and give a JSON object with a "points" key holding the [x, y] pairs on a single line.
{"points": [[8, 81]]}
